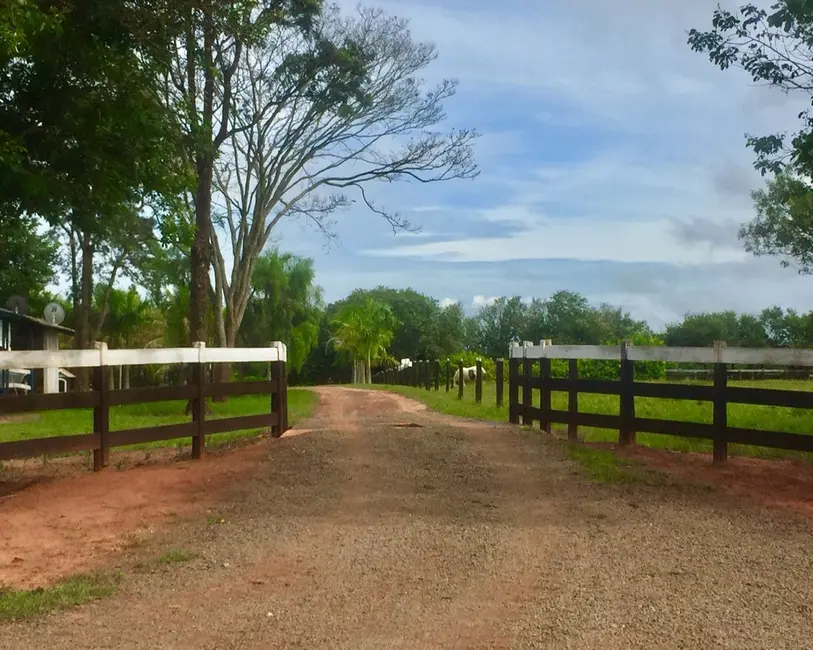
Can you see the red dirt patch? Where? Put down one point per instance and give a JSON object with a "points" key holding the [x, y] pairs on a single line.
{"points": [[60, 527], [768, 482]]}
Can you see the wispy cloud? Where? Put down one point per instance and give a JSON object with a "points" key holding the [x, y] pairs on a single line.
{"points": [[613, 163]]}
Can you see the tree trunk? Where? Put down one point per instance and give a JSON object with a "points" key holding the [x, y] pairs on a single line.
{"points": [[228, 339], [82, 336], [200, 255]]}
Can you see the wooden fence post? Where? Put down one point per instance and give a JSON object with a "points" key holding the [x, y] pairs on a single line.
{"points": [[448, 374], [527, 391], [283, 374], [544, 394], [428, 374], [573, 401], [478, 381], [460, 379], [101, 413], [499, 378], [276, 401], [199, 403], [720, 404], [513, 390], [626, 432], [437, 375]]}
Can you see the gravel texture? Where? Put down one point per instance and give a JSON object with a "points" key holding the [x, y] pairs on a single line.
{"points": [[360, 534]]}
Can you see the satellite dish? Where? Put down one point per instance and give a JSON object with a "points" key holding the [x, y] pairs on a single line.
{"points": [[18, 305], [54, 313]]}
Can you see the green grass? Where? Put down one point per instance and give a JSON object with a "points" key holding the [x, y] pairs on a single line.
{"points": [[176, 556], [771, 418], [169, 558], [603, 466], [43, 424], [17, 603]]}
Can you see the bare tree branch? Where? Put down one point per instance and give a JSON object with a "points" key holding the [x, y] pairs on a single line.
{"points": [[315, 120]]}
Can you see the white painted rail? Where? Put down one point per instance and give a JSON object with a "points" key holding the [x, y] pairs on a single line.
{"points": [[742, 356], [102, 356]]}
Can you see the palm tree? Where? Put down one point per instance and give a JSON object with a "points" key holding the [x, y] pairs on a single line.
{"points": [[128, 317], [365, 330]]}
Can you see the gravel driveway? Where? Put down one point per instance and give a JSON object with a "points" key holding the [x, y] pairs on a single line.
{"points": [[360, 534]]}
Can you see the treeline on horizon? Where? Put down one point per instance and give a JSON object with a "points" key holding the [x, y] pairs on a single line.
{"points": [[286, 304]]}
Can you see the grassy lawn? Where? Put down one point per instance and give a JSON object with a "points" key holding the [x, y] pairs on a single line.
{"points": [[772, 418], [17, 603], [301, 403]]}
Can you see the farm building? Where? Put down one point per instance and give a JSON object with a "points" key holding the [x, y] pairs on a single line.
{"points": [[22, 332]]}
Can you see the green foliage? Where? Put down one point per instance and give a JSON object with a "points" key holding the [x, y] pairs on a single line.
{"points": [[783, 225], [364, 330], [284, 305], [29, 258], [774, 47], [81, 110]]}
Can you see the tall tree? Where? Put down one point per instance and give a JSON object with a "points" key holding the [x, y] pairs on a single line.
{"points": [[317, 121], [202, 83], [86, 137]]}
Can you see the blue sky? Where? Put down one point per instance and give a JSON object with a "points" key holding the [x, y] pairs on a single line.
{"points": [[613, 163]]}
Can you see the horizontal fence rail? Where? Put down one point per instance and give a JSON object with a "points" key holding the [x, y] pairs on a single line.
{"points": [[102, 397], [522, 382]]}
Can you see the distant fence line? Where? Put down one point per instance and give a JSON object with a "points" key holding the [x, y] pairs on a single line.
{"points": [[101, 398], [522, 381]]}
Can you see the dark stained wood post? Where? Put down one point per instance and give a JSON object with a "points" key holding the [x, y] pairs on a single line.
{"points": [[283, 374], [460, 379], [499, 378], [544, 394], [199, 404], [720, 421], [437, 375], [478, 381], [513, 390], [427, 374], [572, 401], [276, 398], [101, 413], [527, 391], [448, 374], [626, 432]]}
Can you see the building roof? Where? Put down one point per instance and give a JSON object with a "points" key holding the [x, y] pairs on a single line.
{"points": [[6, 314]]}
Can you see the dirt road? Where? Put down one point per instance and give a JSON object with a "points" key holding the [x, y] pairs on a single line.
{"points": [[360, 533]]}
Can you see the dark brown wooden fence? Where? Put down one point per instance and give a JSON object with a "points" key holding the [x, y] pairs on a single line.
{"points": [[522, 410], [101, 399]]}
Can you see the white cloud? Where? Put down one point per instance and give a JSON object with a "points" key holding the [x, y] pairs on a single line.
{"points": [[447, 302], [483, 301], [593, 240], [604, 141]]}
